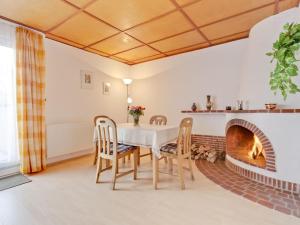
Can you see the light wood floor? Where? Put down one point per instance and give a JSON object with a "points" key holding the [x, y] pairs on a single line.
{"points": [[66, 194]]}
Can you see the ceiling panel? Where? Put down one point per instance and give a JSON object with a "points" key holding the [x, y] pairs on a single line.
{"points": [[187, 49], [60, 39], [149, 58], [137, 53], [179, 41], [185, 2], [79, 3], [171, 24], [208, 11], [96, 51], [127, 13], [287, 4], [84, 29], [230, 38], [117, 43], [237, 24], [120, 60], [36, 13]]}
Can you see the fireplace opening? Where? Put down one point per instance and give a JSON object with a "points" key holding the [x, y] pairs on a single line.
{"points": [[244, 145]]}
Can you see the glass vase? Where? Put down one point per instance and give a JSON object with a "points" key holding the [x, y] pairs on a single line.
{"points": [[136, 120]]}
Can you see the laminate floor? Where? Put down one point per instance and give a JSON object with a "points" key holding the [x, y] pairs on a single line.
{"points": [[66, 194]]}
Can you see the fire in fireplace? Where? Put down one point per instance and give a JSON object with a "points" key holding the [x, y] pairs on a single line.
{"points": [[244, 145], [257, 149]]}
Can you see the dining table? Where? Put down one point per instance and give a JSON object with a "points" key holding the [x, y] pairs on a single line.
{"points": [[147, 136]]}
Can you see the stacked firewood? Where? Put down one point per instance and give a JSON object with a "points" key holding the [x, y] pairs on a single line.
{"points": [[206, 153]]}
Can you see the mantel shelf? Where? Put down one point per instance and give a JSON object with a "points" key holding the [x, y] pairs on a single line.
{"points": [[242, 111]]}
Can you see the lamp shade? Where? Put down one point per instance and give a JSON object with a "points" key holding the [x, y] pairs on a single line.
{"points": [[129, 100], [127, 81]]}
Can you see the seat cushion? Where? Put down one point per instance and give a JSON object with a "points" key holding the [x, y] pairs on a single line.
{"points": [[121, 148], [169, 148]]}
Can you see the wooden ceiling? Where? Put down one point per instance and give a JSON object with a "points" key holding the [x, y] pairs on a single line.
{"points": [[135, 31]]}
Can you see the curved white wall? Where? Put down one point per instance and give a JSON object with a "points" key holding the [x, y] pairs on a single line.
{"points": [[256, 68]]}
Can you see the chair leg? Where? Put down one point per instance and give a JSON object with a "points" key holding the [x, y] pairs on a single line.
{"points": [[117, 166], [135, 156], [151, 156], [191, 168], [170, 165], [123, 160], [99, 168], [139, 156], [96, 155], [129, 156], [155, 171], [114, 173], [180, 173]]}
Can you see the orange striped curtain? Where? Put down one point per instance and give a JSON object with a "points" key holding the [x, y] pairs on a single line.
{"points": [[30, 74]]}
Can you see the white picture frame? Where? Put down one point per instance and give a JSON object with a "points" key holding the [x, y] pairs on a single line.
{"points": [[86, 79], [106, 88]]}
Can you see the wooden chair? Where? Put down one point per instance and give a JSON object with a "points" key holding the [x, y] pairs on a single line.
{"points": [[180, 150], [109, 149], [156, 120]]}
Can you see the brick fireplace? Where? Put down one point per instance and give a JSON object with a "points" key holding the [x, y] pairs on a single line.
{"points": [[247, 143]]}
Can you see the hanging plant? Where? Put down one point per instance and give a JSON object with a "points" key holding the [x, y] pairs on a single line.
{"points": [[283, 53]]}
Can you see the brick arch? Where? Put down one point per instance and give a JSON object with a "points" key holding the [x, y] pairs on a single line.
{"points": [[270, 154]]}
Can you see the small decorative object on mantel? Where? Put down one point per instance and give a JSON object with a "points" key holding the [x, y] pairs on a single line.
{"points": [[136, 112], [240, 104], [209, 103], [194, 107], [228, 107], [271, 106]]}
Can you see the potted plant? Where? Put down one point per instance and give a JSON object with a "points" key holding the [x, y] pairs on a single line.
{"points": [[283, 53], [136, 112]]}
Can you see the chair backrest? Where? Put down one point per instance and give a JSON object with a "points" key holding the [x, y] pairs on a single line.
{"points": [[96, 117], [158, 120], [184, 136], [106, 136]]}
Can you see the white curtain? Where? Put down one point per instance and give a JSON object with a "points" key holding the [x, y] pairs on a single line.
{"points": [[9, 153]]}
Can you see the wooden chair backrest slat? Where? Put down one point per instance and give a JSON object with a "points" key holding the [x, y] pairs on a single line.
{"points": [[184, 136]]}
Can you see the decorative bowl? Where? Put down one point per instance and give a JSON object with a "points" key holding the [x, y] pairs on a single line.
{"points": [[271, 106]]}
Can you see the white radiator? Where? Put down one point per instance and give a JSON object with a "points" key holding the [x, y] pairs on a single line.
{"points": [[67, 140]]}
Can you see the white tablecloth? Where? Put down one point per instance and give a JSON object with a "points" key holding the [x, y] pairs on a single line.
{"points": [[145, 135]]}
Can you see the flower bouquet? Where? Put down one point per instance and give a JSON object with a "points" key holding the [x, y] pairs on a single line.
{"points": [[136, 112]]}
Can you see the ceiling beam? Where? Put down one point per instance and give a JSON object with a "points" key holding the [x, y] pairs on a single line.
{"points": [[79, 10], [190, 20]]}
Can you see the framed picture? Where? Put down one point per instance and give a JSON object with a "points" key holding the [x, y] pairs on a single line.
{"points": [[86, 78], [106, 88]]}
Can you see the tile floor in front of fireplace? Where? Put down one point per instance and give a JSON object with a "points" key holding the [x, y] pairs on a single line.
{"points": [[284, 202]]}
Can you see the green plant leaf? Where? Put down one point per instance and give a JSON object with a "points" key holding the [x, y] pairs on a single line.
{"points": [[283, 53]]}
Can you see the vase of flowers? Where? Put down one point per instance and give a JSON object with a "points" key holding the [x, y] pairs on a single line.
{"points": [[136, 112]]}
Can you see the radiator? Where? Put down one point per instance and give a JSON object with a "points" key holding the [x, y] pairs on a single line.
{"points": [[67, 139]]}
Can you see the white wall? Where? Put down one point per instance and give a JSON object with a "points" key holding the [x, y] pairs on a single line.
{"points": [[70, 109], [174, 83], [256, 67]]}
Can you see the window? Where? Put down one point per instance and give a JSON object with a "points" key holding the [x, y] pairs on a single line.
{"points": [[8, 118]]}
